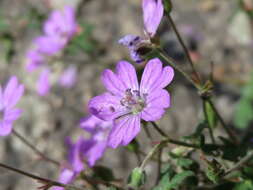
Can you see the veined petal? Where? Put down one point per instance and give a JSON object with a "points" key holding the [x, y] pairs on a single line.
{"points": [[112, 83], [165, 79], [152, 15], [159, 98], [5, 128], [152, 113], [151, 75], [127, 74], [106, 107], [124, 131]]}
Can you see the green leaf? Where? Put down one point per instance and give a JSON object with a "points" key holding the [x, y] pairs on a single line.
{"points": [[244, 109], [210, 115], [185, 162], [244, 113], [245, 185], [133, 146], [179, 179], [137, 178], [166, 175]]}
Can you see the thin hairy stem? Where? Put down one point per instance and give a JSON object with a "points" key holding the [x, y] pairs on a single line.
{"points": [[170, 140], [42, 180], [185, 49], [174, 64], [30, 145]]}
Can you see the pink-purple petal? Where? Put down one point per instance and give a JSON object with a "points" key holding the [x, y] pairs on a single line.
{"points": [[152, 113], [119, 136], [159, 98], [106, 107], [12, 114], [127, 74], [151, 74], [5, 128], [152, 15], [112, 83]]}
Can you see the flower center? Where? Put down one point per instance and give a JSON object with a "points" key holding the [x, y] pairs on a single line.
{"points": [[134, 101]]}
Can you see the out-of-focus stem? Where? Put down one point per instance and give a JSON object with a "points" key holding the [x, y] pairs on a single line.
{"points": [[42, 180], [241, 163], [172, 141], [30, 145], [173, 25], [223, 124]]}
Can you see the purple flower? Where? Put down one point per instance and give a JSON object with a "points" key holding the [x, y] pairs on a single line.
{"points": [[68, 78], [133, 43], [43, 85], [152, 15], [137, 45], [95, 147], [8, 99], [127, 103], [34, 60], [75, 164], [59, 29]]}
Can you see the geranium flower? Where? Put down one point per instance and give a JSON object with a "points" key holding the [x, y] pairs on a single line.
{"points": [[127, 102], [8, 99], [94, 148], [75, 163], [152, 16]]}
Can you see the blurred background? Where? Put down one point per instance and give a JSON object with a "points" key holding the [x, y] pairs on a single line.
{"points": [[216, 31]]}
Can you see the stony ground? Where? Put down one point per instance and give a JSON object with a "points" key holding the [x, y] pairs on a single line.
{"points": [[48, 120]]}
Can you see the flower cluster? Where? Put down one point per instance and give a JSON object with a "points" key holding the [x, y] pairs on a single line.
{"points": [[9, 96], [58, 29]]}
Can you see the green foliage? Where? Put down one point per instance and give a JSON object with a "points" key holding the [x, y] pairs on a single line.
{"points": [[137, 178], [210, 115], [244, 108], [82, 41], [244, 185], [214, 171], [167, 6], [133, 146]]}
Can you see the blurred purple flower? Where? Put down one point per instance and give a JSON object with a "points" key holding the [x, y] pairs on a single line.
{"points": [[68, 78], [43, 84], [34, 60], [152, 15], [8, 99], [59, 29], [127, 103], [75, 164], [95, 147]]}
